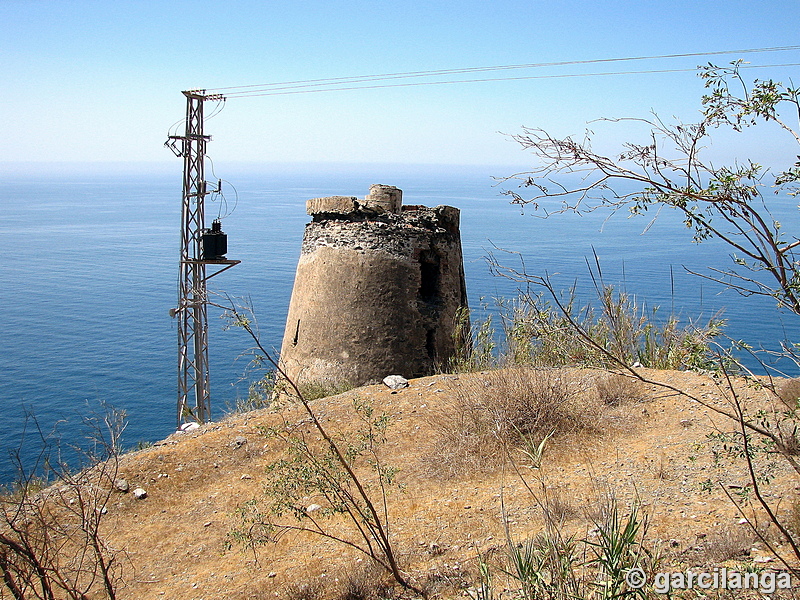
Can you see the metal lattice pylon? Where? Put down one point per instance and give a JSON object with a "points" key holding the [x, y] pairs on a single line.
{"points": [[194, 400]]}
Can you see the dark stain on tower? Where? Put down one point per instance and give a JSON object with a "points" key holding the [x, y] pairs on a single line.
{"points": [[378, 288]]}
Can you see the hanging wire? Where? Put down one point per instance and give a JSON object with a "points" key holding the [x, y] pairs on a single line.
{"points": [[217, 193], [218, 108], [235, 201], [335, 83], [220, 194], [491, 79], [173, 129]]}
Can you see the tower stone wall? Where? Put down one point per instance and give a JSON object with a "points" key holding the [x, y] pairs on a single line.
{"points": [[377, 290]]}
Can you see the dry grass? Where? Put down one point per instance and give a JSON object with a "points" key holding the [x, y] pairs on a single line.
{"points": [[659, 467], [367, 581], [448, 581], [559, 506], [490, 414], [600, 502], [791, 516], [728, 542], [615, 389], [788, 391], [311, 589]]}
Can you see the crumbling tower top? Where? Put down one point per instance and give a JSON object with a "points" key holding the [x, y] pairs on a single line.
{"points": [[381, 199]]}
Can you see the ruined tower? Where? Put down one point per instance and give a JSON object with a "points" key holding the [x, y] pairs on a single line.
{"points": [[377, 290]]}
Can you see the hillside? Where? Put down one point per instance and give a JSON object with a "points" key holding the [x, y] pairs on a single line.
{"points": [[652, 446]]}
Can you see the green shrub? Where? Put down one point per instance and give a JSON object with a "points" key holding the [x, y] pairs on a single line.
{"points": [[538, 333], [474, 344]]}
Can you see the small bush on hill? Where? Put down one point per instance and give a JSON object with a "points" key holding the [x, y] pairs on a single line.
{"points": [[615, 389], [500, 410]]}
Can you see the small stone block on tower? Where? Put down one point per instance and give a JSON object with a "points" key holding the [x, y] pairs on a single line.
{"points": [[384, 198], [332, 205]]}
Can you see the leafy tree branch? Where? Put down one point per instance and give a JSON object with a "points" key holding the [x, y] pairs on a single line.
{"points": [[726, 203]]}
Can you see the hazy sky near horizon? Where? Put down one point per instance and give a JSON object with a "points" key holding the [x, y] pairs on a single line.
{"points": [[94, 80]]}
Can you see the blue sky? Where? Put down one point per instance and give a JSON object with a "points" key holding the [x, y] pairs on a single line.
{"points": [[98, 81]]}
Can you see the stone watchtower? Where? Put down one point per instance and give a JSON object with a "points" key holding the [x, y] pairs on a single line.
{"points": [[377, 290]]}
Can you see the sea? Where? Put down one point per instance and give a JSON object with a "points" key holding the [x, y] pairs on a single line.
{"points": [[90, 269]]}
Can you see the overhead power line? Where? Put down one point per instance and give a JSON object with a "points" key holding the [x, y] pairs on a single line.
{"points": [[487, 79], [357, 82]]}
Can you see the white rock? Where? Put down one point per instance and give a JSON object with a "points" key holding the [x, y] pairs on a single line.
{"points": [[187, 427], [313, 507], [395, 382], [763, 559], [139, 494]]}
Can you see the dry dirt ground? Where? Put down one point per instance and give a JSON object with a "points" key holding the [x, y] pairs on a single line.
{"points": [[176, 542]]}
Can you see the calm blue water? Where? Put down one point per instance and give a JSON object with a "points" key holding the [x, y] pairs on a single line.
{"points": [[90, 270]]}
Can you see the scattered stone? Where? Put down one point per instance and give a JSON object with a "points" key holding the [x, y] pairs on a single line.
{"points": [[187, 427], [313, 507], [121, 485], [686, 422], [763, 559], [239, 441], [395, 382], [674, 543], [139, 494], [272, 574], [435, 549], [246, 476]]}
